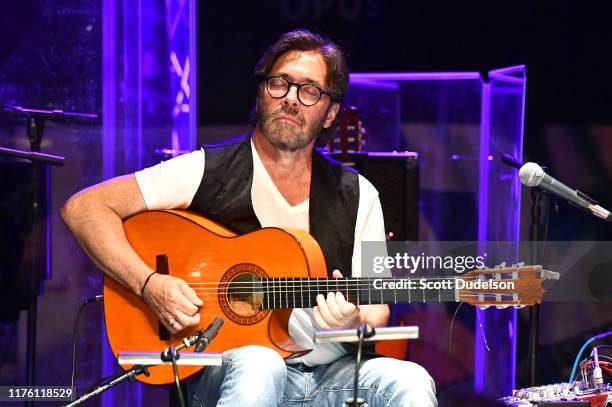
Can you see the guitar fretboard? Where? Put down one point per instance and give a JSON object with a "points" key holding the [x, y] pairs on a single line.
{"points": [[302, 292]]}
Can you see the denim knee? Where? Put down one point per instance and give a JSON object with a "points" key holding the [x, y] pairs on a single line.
{"points": [[258, 359], [256, 371], [404, 383], [249, 376]]}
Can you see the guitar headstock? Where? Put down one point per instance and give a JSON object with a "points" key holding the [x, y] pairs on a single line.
{"points": [[351, 134], [502, 286]]}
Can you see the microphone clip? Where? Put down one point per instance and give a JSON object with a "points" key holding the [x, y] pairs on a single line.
{"points": [[169, 354]]}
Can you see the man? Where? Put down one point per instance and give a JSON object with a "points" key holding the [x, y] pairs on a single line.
{"points": [[270, 177]]}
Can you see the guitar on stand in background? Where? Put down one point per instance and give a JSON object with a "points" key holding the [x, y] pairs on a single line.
{"points": [[350, 137]]}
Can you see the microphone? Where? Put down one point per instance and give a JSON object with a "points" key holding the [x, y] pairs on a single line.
{"points": [[532, 175], [209, 334]]}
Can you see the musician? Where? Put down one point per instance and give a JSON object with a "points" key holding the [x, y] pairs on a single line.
{"points": [[270, 177]]}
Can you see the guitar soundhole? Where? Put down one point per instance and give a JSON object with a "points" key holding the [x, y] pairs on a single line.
{"points": [[245, 295], [242, 295]]}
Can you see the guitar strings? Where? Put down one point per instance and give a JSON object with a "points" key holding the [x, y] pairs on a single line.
{"points": [[474, 293], [284, 286], [372, 294], [471, 294], [216, 306], [291, 286], [325, 279], [341, 289], [353, 280], [276, 287], [310, 303]]}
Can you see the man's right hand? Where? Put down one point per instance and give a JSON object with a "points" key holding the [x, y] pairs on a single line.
{"points": [[175, 304], [95, 216]]}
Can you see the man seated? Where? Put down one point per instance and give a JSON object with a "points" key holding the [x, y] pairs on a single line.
{"points": [[270, 177]]}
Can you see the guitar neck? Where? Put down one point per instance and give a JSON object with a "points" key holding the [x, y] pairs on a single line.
{"points": [[302, 292]]}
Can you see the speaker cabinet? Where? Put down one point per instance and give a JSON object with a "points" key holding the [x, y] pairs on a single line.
{"points": [[396, 177]]}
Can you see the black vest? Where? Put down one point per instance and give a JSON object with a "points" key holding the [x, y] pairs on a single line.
{"points": [[224, 196]]}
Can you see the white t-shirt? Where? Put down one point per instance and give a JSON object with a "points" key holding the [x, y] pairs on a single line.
{"points": [[173, 184]]}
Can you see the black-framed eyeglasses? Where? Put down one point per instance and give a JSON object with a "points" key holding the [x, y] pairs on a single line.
{"points": [[307, 93]]}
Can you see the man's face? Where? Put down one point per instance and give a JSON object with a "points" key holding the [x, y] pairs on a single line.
{"points": [[286, 122]]}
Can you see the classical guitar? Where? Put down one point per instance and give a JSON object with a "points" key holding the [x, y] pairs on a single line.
{"points": [[253, 281]]}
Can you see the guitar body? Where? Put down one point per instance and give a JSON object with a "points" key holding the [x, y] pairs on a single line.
{"points": [[213, 261]]}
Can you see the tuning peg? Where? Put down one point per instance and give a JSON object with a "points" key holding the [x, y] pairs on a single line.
{"points": [[519, 264], [501, 265], [483, 307], [549, 275], [519, 306], [503, 306]]}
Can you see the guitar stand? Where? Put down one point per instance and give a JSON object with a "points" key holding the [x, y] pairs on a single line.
{"points": [[364, 333]]}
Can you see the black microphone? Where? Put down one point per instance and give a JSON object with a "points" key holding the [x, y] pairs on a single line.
{"points": [[532, 175], [209, 334]]}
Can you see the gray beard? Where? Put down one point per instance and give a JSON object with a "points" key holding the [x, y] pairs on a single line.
{"points": [[286, 136]]}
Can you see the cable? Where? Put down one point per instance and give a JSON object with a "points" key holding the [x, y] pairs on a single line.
{"points": [[75, 330], [601, 363], [609, 358], [452, 324], [605, 366], [604, 346], [586, 344], [481, 329]]}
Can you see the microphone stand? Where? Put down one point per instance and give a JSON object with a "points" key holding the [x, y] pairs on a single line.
{"points": [[128, 375], [535, 235], [201, 339], [534, 311], [38, 262], [362, 334]]}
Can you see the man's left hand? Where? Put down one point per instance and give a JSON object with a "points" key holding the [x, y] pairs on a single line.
{"points": [[335, 312]]}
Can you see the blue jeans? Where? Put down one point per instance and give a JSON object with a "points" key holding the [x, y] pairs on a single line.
{"points": [[258, 376]]}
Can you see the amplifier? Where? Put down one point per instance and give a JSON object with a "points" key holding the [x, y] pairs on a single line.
{"points": [[396, 177]]}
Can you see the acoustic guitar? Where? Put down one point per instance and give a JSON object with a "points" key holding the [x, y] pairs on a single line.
{"points": [[253, 281]]}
